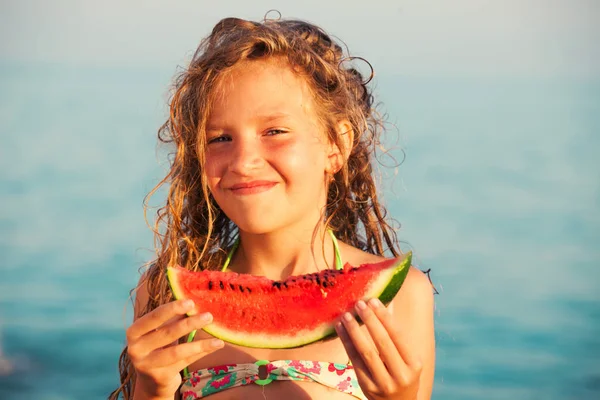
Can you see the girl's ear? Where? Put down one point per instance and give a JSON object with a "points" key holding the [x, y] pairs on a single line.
{"points": [[336, 157]]}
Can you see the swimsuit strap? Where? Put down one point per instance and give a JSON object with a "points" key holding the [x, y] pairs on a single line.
{"points": [[338, 265], [336, 249], [230, 254]]}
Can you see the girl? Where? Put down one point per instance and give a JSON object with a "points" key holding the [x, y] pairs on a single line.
{"points": [[273, 135]]}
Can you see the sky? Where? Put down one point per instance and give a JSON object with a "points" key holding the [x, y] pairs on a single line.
{"points": [[485, 38]]}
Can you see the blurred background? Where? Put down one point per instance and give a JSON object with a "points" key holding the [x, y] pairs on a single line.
{"points": [[497, 109]]}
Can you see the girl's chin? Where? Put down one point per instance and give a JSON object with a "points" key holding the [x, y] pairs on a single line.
{"points": [[258, 225]]}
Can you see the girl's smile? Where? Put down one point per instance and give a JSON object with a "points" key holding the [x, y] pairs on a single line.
{"points": [[253, 187]]}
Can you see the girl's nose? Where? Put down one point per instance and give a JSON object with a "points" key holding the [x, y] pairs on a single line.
{"points": [[246, 155]]}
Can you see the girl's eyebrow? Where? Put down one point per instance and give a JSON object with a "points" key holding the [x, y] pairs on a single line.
{"points": [[263, 118], [273, 116]]}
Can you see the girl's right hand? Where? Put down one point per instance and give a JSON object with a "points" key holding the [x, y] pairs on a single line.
{"points": [[155, 353]]}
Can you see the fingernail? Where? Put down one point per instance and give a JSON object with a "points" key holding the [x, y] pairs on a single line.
{"points": [[206, 317], [216, 343], [348, 317], [361, 305], [188, 304], [375, 303]]}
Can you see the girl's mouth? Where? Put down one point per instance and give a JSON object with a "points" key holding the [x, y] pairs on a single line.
{"points": [[253, 187]]}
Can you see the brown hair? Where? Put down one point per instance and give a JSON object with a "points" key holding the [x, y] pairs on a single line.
{"points": [[195, 232]]}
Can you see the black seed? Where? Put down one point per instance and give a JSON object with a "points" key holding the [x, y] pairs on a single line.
{"points": [[285, 284], [249, 291], [325, 284], [318, 280], [241, 289], [221, 284], [331, 283], [277, 285], [232, 286], [210, 285]]}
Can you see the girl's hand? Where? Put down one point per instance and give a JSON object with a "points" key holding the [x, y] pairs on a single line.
{"points": [[155, 354], [386, 369]]}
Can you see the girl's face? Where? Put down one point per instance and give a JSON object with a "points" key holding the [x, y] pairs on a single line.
{"points": [[267, 156]]}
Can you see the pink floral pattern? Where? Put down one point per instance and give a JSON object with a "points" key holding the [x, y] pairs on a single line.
{"points": [[338, 368], [344, 385], [302, 366]]}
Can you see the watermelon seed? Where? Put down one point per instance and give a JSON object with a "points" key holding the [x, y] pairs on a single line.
{"points": [[241, 288], [249, 291], [231, 286], [325, 284], [277, 285], [318, 280], [221, 284], [210, 285], [285, 284]]}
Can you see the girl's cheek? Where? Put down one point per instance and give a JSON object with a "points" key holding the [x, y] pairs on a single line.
{"points": [[214, 163]]}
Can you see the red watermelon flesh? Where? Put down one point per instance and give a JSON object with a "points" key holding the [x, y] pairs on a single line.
{"points": [[255, 311]]}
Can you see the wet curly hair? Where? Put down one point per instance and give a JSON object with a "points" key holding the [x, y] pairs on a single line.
{"points": [[190, 229]]}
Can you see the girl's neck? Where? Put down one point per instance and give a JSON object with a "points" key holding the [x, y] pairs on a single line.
{"points": [[278, 255]]}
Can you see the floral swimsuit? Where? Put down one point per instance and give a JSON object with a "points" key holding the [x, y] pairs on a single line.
{"points": [[204, 382], [207, 381]]}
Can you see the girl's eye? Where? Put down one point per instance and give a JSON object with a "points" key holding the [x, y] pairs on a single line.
{"points": [[219, 139], [273, 132]]}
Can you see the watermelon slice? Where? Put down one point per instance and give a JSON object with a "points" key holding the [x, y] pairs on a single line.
{"points": [[254, 311]]}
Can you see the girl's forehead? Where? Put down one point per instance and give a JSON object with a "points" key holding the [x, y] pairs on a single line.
{"points": [[261, 87]]}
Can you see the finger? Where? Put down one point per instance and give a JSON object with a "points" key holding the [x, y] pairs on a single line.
{"points": [[157, 317], [180, 356], [366, 351], [381, 337], [172, 331], [385, 317], [362, 372]]}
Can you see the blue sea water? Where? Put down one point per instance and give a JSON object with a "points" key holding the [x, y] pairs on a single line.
{"points": [[499, 195]]}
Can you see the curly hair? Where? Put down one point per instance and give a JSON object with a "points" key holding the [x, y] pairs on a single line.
{"points": [[190, 229]]}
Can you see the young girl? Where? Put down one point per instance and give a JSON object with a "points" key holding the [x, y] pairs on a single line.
{"points": [[273, 133]]}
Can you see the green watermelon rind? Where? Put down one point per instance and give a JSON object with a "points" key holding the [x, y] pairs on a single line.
{"points": [[395, 282]]}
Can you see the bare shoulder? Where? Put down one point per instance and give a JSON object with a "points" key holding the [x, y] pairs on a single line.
{"points": [[416, 288], [416, 291]]}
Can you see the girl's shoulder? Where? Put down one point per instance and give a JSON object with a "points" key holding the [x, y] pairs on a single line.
{"points": [[416, 290]]}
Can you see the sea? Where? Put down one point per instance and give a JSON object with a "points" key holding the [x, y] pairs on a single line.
{"points": [[494, 183]]}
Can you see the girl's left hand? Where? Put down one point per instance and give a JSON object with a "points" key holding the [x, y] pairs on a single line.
{"points": [[387, 369]]}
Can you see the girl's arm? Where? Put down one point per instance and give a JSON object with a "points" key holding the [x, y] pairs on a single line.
{"points": [[413, 312], [398, 360]]}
